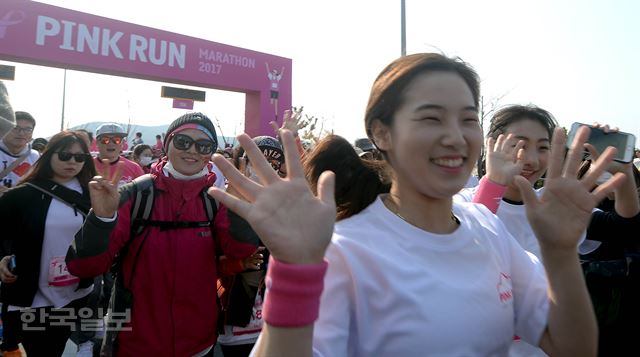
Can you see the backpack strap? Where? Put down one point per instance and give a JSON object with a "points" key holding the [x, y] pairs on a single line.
{"points": [[210, 205], [143, 192], [62, 194], [167, 225], [141, 211]]}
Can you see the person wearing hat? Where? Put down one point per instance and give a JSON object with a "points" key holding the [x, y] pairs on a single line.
{"points": [[242, 294], [369, 151], [272, 151], [39, 144], [110, 140], [170, 268]]}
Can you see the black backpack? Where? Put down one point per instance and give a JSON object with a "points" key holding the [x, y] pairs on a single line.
{"points": [[143, 192]]}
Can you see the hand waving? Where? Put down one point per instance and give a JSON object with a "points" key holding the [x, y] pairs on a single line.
{"points": [[562, 213], [295, 225], [504, 158], [104, 190], [290, 121]]}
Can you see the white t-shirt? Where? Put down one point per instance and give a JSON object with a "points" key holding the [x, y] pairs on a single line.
{"points": [[6, 159], [60, 227], [514, 217], [393, 289]]}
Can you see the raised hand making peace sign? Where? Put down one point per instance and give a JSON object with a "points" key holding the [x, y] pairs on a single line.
{"points": [[104, 190]]}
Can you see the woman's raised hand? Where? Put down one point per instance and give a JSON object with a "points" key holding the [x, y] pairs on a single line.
{"points": [[104, 190], [290, 121], [504, 158], [294, 224], [562, 213]]}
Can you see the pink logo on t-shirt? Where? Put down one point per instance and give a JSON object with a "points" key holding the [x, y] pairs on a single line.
{"points": [[504, 288]]}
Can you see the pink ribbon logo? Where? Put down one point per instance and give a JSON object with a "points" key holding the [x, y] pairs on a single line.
{"points": [[10, 18]]}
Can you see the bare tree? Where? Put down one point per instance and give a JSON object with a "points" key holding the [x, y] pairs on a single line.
{"points": [[311, 127]]}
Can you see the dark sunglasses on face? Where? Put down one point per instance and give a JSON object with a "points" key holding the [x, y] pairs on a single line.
{"points": [[66, 156], [184, 142], [114, 139]]}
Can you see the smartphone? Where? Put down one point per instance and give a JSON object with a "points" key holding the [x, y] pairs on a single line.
{"points": [[625, 143], [12, 264]]}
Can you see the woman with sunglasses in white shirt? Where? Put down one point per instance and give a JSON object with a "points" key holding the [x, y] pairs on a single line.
{"points": [[40, 216]]}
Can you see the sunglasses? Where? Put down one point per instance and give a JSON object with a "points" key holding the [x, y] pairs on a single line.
{"points": [[184, 142], [113, 139], [66, 156]]}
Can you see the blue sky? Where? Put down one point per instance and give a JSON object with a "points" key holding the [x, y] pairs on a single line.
{"points": [[576, 59]]}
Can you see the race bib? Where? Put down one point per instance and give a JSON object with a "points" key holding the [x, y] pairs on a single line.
{"points": [[58, 273], [255, 325]]}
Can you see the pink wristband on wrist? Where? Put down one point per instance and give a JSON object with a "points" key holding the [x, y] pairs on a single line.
{"points": [[293, 293], [489, 194]]}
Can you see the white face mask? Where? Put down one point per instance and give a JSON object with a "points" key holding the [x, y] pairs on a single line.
{"points": [[146, 160]]}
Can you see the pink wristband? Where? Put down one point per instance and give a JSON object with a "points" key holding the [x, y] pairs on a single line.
{"points": [[489, 194], [293, 293]]}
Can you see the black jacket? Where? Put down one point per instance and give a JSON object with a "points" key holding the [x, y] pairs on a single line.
{"points": [[23, 213]]}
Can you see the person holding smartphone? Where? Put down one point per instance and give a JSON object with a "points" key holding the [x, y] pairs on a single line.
{"points": [[40, 216], [611, 271], [519, 144]]}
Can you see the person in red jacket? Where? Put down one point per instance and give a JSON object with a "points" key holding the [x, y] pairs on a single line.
{"points": [[111, 139], [170, 269]]}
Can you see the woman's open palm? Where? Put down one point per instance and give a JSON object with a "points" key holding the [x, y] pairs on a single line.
{"points": [[295, 225]]}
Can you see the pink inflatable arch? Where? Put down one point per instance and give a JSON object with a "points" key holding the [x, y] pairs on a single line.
{"points": [[47, 35]]}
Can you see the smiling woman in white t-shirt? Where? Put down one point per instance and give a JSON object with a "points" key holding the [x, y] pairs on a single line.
{"points": [[415, 274]]}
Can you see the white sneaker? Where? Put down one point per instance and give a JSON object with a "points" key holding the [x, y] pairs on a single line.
{"points": [[85, 349]]}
